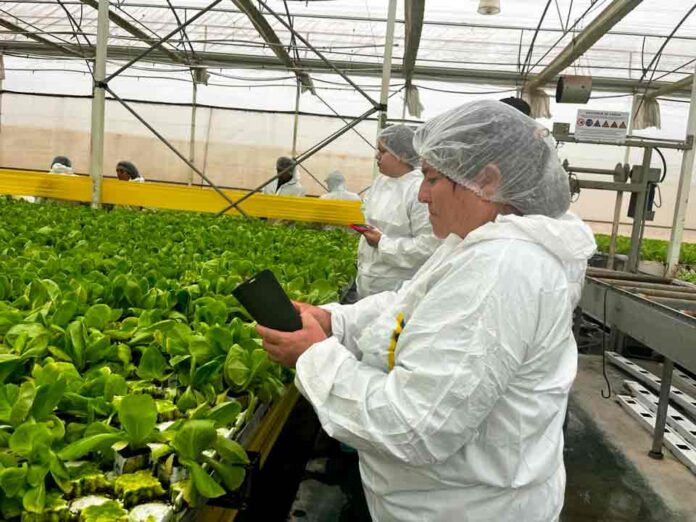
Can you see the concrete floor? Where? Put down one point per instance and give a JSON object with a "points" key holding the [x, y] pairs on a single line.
{"points": [[610, 476]]}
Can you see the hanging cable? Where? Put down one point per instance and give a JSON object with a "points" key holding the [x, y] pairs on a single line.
{"points": [[528, 58], [604, 349], [664, 165]]}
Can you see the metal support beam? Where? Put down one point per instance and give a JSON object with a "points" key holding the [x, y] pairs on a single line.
{"points": [[173, 149], [96, 160], [662, 407], [124, 24], [64, 49], [685, 176], [387, 65], [323, 59], [162, 40], [413, 15], [597, 28], [682, 84], [192, 139], [639, 215], [270, 37], [306, 154], [449, 74]]}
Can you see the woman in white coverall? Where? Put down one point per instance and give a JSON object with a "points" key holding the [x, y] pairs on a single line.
{"points": [[454, 389], [400, 238]]}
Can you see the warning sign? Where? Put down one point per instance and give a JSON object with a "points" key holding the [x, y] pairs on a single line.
{"points": [[608, 126]]}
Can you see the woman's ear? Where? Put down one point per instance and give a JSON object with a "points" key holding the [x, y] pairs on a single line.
{"points": [[488, 180]]}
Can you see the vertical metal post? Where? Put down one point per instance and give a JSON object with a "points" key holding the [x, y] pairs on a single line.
{"points": [[297, 117], [207, 142], [2, 78], [639, 214], [386, 73], [96, 162], [662, 406], [619, 196], [685, 177], [192, 140]]}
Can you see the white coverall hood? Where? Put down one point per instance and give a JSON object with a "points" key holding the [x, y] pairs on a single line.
{"points": [[454, 389], [407, 241], [291, 188], [336, 184]]}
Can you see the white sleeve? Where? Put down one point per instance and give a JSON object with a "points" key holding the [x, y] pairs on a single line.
{"points": [[413, 251], [454, 359], [348, 321]]}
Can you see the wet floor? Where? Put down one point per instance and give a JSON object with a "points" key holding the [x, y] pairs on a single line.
{"points": [[601, 484]]}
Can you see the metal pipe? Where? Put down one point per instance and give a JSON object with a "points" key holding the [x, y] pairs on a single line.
{"points": [[192, 139], [651, 286], [296, 121], [386, 77], [317, 52], [587, 170], [639, 216], [672, 87], [616, 274], [96, 153], [581, 42], [610, 185], [647, 293], [618, 202], [631, 141], [310, 152], [685, 177], [662, 407], [162, 40], [174, 150]]}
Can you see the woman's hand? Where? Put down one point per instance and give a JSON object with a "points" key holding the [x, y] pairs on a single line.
{"points": [[286, 347], [322, 316], [372, 235]]}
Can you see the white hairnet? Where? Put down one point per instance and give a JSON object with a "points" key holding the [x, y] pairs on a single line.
{"points": [[398, 139], [335, 180], [461, 142]]}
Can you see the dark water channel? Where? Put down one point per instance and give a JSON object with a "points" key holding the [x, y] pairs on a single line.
{"points": [[601, 484]]}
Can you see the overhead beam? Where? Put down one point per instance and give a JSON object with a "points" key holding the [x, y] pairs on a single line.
{"points": [[134, 31], [597, 28], [684, 83], [365, 69], [413, 14], [33, 36], [270, 37]]}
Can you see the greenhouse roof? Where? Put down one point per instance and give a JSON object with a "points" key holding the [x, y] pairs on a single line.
{"points": [[456, 43]]}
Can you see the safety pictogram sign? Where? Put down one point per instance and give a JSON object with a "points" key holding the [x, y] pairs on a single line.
{"points": [[609, 126]]}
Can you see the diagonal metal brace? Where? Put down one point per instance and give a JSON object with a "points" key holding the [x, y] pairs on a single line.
{"points": [[175, 151], [318, 53], [162, 40], [305, 155]]}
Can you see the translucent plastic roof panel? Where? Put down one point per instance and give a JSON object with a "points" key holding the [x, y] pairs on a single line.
{"points": [[454, 35]]}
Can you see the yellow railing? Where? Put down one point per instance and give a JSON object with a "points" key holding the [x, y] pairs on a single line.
{"points": [[178, 197]]}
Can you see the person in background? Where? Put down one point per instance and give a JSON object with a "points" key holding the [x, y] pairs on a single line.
{"points": [[61, 165], [399, 238], [288, 182], [126, 171], [336, 184], [519, 104], [453, 389]]}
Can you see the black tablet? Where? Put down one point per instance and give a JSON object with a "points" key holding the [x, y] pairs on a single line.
{"points": [[267, 302]]}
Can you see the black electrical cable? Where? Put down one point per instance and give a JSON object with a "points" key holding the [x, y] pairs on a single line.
{"points": [[604, 349], [664, 165], [528, 58]]}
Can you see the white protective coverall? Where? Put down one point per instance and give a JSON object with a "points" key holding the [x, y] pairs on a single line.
{"points": [[454, 389], [336, 183], [391, 205], [291, 188]]}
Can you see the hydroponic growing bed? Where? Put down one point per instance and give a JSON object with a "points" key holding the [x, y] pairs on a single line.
{"points": [[127, 369]]}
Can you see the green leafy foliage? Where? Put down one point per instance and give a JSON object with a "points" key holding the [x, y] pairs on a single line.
{"points": [[106, 316]]}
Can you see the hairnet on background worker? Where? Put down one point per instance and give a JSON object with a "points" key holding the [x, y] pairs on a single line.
{"points": [[288, 181], [401, 237], [336, 183], [454, 389]]}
